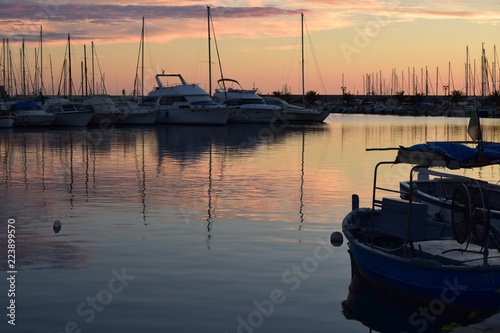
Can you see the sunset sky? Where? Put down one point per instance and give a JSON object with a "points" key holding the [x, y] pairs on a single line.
{"points": [[259, 42]]}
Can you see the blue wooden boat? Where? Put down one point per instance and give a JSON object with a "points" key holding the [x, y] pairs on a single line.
{"points": [[396, 244]]}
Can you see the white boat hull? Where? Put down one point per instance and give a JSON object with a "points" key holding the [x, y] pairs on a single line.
{"points": [[198, 116], [146, 118], [6, 121], [105, 119], [33, 119], [255, 115], [298, 116]]}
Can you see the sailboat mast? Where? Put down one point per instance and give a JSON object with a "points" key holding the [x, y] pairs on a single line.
{"points": [[82, 82], [69, 68], [51, 75], [467, 71], [223, 83], [23, 69], [209, 54], [437, 81], [35, 83], [85, 69], [494, 70], [93, 80], [449, 77], [426, 82], [41, 62], [302, 39], [483, 61], [4, 51], [142, 61]]}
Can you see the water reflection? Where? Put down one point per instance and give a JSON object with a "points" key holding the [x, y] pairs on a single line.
{"points": [[186, 143], [208, 167], [198, 214], [187, 173], [198, 175]]}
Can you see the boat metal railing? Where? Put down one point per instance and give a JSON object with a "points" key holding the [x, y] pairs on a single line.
{"points": [[377, 203]]}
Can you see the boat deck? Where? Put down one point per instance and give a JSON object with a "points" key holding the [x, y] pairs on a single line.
{"points": [[453, 252]]}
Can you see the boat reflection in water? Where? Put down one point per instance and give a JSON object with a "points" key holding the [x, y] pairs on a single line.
{"points": [[211, 150], [381, 310]]}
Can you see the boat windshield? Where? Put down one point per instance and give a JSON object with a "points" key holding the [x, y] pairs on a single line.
{"points": [[170, 80], [200, 100], [278, 102]]}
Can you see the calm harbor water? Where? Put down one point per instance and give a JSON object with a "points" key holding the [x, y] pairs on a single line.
{"points": [[201, 229]]}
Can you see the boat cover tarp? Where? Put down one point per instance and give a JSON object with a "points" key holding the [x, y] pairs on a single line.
{"points": [[450, 154], [25, 106]]}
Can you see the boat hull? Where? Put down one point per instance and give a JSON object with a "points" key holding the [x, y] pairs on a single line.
{"points": [[194, 116], [255, 115], [105, 119], [32, 119], [73, 119], [146, 118], [322, 116], [461, 287], [6, 121], [300, 116], [384, 311]]}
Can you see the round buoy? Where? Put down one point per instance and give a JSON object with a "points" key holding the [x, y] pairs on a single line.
{"points": [[336, 238], [56, 226]]}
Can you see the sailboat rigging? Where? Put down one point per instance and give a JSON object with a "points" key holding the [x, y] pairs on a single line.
{"points": [[135, 112], [302, 62], [140, 58], [211, 25]]}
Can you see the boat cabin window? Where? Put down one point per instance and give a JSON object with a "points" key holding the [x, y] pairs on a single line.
{"points": [[68, 107], [234, 102], [53, 109], [80, 107], [169, 100], [201, 100]]}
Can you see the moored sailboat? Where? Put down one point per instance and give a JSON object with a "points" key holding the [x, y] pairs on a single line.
{"points": [[134, 110], [30, 114], [68, 113]]}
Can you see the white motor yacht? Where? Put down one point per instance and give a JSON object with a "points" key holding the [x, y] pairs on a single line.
{"points": [[178, 102], [246, 105], [68, 113]]}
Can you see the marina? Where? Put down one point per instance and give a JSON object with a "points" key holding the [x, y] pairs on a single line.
{"points": [[183, 167]]}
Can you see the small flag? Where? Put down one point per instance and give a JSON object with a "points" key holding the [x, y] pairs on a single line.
{"points": [[474, 128]]}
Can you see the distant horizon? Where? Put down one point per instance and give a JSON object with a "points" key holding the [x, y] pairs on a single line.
{"points": [[388, 45]]}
